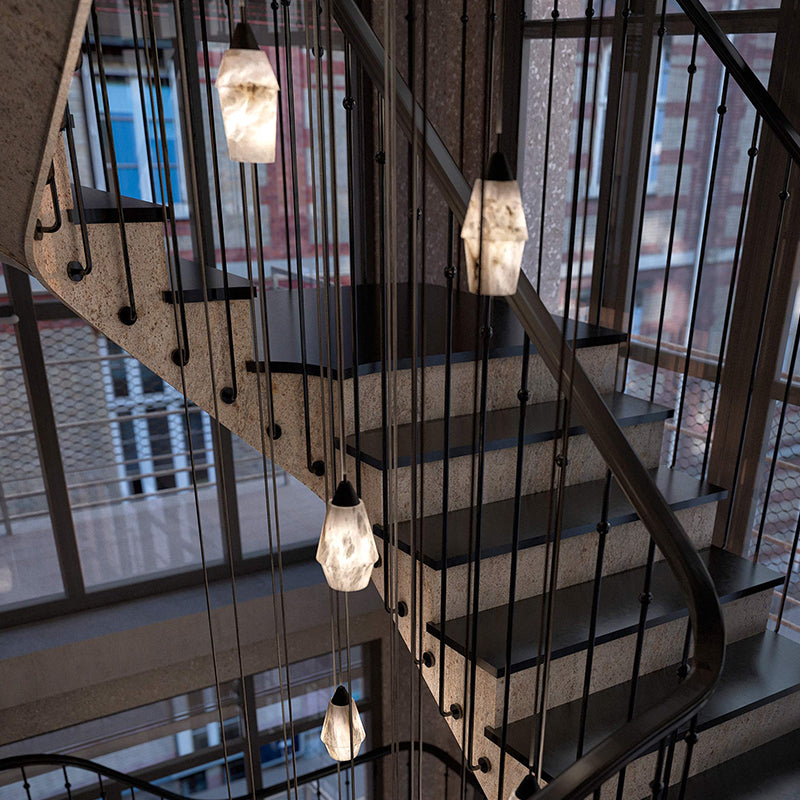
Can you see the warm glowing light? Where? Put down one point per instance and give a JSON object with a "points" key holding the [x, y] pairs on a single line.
{"points": [[503, 230], [346, 549], [336, 728], [248, 94]]}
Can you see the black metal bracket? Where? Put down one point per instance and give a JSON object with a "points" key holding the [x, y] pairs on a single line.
{"points": [[42, 229]]}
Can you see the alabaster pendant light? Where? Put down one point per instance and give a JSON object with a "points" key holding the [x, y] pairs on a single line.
{"points": [[496, 262], [526, 789], [346, 547], [336, 727], [248, 94]]}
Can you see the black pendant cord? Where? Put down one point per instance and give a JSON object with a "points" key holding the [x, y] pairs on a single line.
{"points": [[127, 314], [787, 579], [142, 102], [523, 395], [180, 356], [661, 32], [554, 14], [783, 197], [691, 69], [450, 274], [721, 109], [349, 104], [326, 331], [603, 527], [276, 551], [751, 156], [312, 465], [98, 116], [776, 449], [229, 393], [645, 598], [76, 270]]}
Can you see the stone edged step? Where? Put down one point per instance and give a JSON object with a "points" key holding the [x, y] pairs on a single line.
{"points": [[191, 276], [502, 426], [582, 504], [758, 670], [507, 337], [100, 207], [768, 772], [618, 616]]}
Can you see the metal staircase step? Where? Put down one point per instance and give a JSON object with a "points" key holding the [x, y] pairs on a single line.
{"points": [[758, 670], [100, 208], [768, 772], [618, 615], [507, 336], [501, 430], [191, 276], [582, 504]]}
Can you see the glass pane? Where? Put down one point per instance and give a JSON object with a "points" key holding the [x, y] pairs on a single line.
{"points": [[125, 449], [29, 567], [301, 511]]}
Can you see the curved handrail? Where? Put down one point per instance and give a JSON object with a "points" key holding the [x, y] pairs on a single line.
{"points": [[694, 581], [57, 760]]}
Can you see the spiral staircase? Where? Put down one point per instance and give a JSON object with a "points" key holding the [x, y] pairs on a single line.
{"points": [[756, 701]]}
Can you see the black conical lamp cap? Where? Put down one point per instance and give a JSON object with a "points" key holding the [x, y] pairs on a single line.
{"points": [[498, 168], [244, 38], [527, 788], [345, 495], [341, 697]]}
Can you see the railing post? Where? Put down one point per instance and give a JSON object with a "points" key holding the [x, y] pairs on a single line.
{"points": [[756, 263]]}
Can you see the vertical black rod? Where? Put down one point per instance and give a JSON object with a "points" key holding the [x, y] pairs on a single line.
{"points": [[524, 396], [137, 56], [691, 69], [603, 528], [787, 580], [228, 394], [25, 784], [645, 598], [721, 109], [783, 196], [751, 156], [450, 274], [127, 315], [662, 29], [78, 274], [67, 784], [97, 114], [312, 465], [691, 741]]}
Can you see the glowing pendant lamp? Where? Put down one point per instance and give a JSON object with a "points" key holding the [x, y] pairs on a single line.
{"points": [[346, 547], [504, 232], [248, 94], [336, 727]]}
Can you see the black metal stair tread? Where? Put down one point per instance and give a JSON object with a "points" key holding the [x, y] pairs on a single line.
{"points": [[191, 277], [582, 504], [618, 615], [768, 772], [100, 207], [758, 670], [502, 428], [507, 337]]}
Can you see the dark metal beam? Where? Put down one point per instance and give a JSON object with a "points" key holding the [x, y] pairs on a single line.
{"points": [[45, 431]]}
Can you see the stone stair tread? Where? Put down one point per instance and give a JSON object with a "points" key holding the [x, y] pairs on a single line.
{"points": [[100, 207], [758, 670], [284, 315], [618, 616], [238, 288], [768, 772], [502, 428], [582, 504]]}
